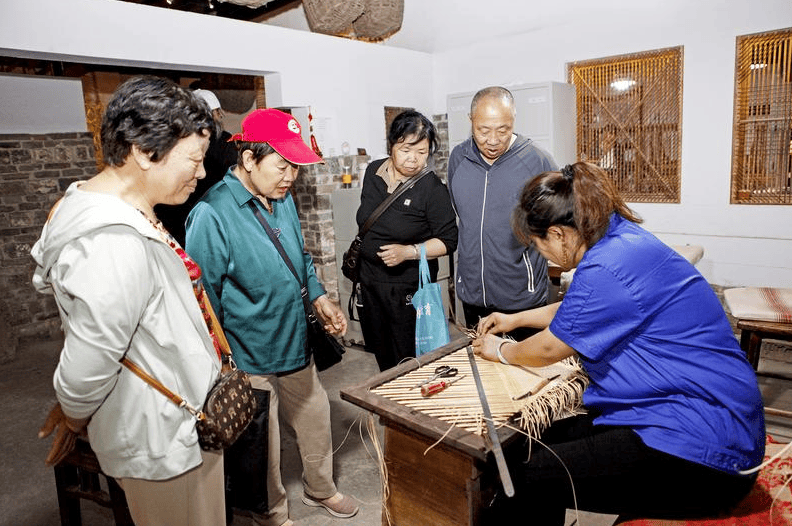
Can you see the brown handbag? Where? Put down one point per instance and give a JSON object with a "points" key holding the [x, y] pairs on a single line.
{"points": [[230, 403]]}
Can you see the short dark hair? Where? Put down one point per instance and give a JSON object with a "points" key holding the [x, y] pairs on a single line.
{"points": [[258, 149], [153, 113], [412, 123]]}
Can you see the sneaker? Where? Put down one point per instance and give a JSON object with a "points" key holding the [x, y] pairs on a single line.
{"points": [[339, 505]]}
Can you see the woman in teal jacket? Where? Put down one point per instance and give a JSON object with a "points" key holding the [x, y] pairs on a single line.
{"points": [[259, 302]]}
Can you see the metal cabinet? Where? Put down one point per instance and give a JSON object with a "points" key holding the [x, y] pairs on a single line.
{"points": [[345, 202]]}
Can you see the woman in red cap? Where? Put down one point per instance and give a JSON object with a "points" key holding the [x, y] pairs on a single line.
{"points": [[259, 302]]}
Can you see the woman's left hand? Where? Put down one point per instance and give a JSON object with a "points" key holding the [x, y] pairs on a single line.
{"points": [[393, 255], [330, 315], [487, 345]]}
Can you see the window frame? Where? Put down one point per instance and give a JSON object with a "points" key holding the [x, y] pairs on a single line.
{"points": [[761, 167], [634, 133]]}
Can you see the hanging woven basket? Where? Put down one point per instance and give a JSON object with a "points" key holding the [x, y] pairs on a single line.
{"points": [[380, 19], [332, 17], [252, 4]]}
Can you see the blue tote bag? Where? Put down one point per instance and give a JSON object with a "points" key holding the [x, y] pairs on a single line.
{"points": [[431, 327]]}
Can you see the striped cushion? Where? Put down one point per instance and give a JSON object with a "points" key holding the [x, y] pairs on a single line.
{"points": [[760, 303]]}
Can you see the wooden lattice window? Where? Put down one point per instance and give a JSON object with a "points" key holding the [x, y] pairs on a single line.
{"points": [[629, 121], [762, 135]]}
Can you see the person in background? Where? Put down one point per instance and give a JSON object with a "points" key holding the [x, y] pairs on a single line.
{"points": [[495, 273], [219, 157], [675, 415], [259, 302], [124, 288], [390, 252]]}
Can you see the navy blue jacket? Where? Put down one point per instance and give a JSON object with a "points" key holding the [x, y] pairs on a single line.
{"points": [[495, 270]]}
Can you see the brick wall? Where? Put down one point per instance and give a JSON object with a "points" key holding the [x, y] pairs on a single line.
{"points": [[312, 192], [34, 172], [441, 156]]}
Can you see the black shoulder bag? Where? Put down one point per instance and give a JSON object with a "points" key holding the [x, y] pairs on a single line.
{"points": [[326, 349], [349, 265], [351, 260]]}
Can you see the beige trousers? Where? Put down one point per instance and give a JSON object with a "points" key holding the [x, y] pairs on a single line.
{"points": [[195, 498], [298, 400]]}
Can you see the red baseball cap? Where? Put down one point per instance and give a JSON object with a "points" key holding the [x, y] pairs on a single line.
{"points": [[281, 131]]}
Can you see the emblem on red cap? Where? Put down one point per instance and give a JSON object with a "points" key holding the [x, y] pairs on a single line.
{"points": [[293, 126]]}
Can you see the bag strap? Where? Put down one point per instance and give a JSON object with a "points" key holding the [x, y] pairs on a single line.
{"points": [[173, 397], [403, 187], [452, 287], [284, 256], [225, 347], [423, 267], [156, 384], [351, 302]]}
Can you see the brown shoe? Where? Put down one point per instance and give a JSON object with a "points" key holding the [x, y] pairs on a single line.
{"points": [[339, 505]]}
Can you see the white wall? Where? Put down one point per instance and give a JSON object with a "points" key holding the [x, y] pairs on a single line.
{"points": [[346, 81], [744, 245], [24, 98]]}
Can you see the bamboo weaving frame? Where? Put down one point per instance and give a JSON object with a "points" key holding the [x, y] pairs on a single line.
{"points": [[762, 127], [634, 133], [462, 428], [460, 405]]}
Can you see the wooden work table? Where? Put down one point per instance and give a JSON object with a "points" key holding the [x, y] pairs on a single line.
{"points": [[445, 486]]}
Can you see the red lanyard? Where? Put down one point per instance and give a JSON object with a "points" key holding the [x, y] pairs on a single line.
{"points": [[195, 276]]}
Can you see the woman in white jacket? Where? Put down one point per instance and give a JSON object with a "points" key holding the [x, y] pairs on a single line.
{"points": [[125, 288]]}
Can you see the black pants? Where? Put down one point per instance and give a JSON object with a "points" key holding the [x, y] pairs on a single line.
{"points": [[246, 463], [473, 313], [387, 320], [613, 472]]}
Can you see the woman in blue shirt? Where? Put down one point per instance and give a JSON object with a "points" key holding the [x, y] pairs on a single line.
{"points": [[673, 405]]}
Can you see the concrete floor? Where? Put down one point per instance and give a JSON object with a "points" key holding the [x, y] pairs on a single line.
{"points": [[27, 494]]}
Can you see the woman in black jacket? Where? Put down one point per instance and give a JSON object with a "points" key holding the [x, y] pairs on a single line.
{"points": [[390, 254]]}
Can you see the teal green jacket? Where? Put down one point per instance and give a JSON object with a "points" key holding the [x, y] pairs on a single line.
{"points": [[256, 297]]}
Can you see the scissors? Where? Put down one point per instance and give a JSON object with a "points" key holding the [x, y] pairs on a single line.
{"points": [[441, 371]]}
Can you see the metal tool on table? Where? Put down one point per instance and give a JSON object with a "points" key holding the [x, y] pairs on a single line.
{"points": [[500, 460], [441, 371], [538, 387], [440, 385]]}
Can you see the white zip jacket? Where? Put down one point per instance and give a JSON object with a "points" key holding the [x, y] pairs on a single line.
{"points": [[122, 290]]}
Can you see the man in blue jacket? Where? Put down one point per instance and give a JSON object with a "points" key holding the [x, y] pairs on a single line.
{"points": [[486, 174]]}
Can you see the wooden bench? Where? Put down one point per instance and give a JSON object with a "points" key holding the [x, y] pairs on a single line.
{"points": [[77, 477], [752, 332], [761, 313]]}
